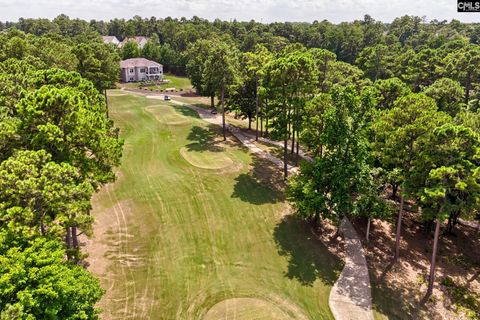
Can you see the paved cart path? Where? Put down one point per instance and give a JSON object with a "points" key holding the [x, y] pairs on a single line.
{"points": [[351, 298]]}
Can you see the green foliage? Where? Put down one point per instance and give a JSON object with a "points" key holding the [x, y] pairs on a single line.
{"points": [[448, 95], [56, 148], [399, 132], [196, 55], [242, 99], [388, 91], [130, 50], [323, 59], [65, 123], [461, 65], [41, 194], [220, 69], [466, 300], [98, 63], [290, 80], [327, 187], [376, 62], [37, 283], [312, 134], [446, 172]]}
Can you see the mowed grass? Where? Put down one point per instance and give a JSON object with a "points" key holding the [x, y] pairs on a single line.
{"points": [[179, 83], [176, 237]]}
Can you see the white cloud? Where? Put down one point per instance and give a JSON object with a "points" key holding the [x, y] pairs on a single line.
{"points": [[266, 10]]}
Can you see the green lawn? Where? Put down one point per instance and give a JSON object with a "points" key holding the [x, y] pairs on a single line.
{"points": [[195, 228], [179, 83]]}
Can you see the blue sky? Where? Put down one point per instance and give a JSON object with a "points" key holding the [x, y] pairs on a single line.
{"points": [[260, 10]]}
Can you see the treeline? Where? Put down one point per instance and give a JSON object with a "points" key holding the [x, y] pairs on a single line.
{"points": [[360, 42], [57, 147], [411, 138]]}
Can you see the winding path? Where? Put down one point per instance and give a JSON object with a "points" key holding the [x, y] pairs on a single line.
{"points": [[350, 297]]}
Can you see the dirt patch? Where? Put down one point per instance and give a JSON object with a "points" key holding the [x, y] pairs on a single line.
{"points": [[398, 290]]}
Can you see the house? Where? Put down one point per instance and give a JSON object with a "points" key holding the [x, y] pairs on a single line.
{"points": [[139, 69], [140, 40], [111, 40]]}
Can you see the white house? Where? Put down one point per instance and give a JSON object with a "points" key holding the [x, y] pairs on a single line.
{"points": [[138, 69], [111, 40]]}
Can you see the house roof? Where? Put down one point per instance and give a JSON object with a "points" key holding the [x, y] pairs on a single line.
{"points": [[139, 62], [137, 39], [109, 39]]}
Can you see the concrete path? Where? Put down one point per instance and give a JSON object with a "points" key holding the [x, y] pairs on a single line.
{"points": [[350, 297], [301, 153]]}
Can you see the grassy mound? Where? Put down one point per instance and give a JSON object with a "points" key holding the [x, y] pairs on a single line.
{"points": [[207, 159]]}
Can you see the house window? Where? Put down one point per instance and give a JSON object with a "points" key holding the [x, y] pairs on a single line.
{"points": [[142, 70], [131, 79], [131, 70]]}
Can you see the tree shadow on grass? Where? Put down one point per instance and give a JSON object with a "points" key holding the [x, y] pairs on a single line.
{"points": [[263, 184], [204, 139], [308, 258], [187, 112]]}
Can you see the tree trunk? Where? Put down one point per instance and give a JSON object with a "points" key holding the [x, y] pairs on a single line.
{"points": [[74, 238], [399, 229], [223, 113], [394, 191], [298, 144], [467, 88], [285, 148], [42, 226], [266, 117], [452, 221], [431, 278], [250, 124], [261, 120], [368, 230], [106, 102], [68, 243], [293, 140], [75, 245], [212, 101], [256, 107]]}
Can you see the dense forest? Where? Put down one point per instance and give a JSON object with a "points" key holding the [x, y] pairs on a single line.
{"points": [[388, 113]]}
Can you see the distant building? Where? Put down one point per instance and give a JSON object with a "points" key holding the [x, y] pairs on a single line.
{"points": [[140, 40], [138, 69], [111, 40]]}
